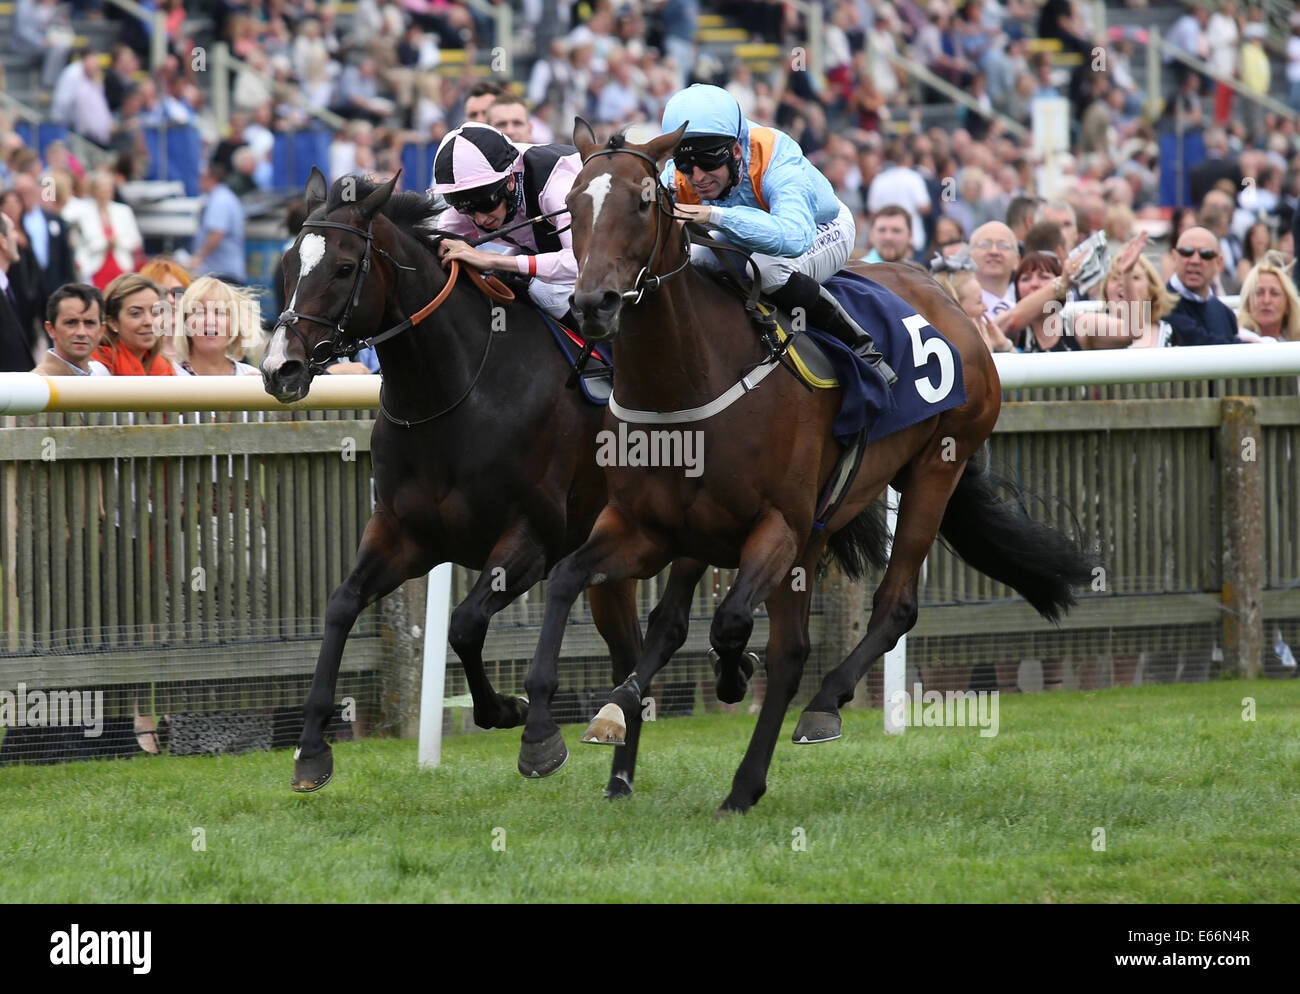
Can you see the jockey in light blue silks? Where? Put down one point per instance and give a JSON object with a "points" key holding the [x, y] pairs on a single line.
{"points": [[754, 185]]}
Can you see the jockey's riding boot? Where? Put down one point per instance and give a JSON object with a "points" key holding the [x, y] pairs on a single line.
{"points": [[824, 311], [830, 316]]}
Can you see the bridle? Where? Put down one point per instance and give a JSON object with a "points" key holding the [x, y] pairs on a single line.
{"points": [[644, 280], [324, 352]]}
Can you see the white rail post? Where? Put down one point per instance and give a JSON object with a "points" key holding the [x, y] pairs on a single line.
{"points": [[437, 613], [895, 658]]}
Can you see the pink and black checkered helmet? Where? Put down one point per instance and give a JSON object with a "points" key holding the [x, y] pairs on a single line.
{"points": [[474, 157]]}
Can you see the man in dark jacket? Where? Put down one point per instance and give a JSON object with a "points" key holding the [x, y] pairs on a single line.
{"points": [[15, 353], [1200, 318], [48, 236]]}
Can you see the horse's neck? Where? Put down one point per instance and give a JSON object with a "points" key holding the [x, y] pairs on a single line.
{"points": [[427, 361], [685, 344]]}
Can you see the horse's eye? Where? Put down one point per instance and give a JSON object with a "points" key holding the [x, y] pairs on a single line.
{"points": [[345, 269], [644, 205]]}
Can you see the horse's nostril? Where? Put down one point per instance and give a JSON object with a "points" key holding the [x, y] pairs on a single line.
{"points": [[596, 303]]}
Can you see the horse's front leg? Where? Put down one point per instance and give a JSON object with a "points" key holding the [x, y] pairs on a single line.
{"points": [[787, 651], [615, 550], [514, 565], [386, 559], [765, 567], [764, 561], [618, 723]]}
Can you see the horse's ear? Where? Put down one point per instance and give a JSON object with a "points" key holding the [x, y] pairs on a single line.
{"points": [[662, 147], [317, 189], [370, 206], [584, 138]]}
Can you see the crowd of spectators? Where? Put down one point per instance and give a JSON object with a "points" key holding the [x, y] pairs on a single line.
{"points": [[967, 193]]}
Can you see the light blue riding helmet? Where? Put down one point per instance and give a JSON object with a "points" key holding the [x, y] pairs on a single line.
{"points": [[713, 121]]}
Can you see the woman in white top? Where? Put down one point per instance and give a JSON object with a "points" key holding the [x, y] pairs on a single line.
{"points": [[104, 235], [1270, 306], [222, 327]]}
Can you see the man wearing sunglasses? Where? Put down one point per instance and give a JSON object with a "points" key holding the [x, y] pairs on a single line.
{"points": [[755, 187], [489, 183], [1200, 318]]}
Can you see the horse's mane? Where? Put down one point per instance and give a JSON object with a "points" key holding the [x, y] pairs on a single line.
{"points": [[414, 213]]}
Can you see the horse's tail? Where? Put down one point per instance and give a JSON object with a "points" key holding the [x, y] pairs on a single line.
{"points": [[862, 543], [996, 536]]}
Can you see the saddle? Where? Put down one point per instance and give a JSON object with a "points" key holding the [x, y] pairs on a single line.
{"points": [[807, 360], [802, 356]]}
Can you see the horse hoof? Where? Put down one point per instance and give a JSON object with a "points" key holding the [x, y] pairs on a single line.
{"points": [[731, 687], [312, 774], [817, 726], [618, 787], [609, 727], [541, 759], [729, 809]]}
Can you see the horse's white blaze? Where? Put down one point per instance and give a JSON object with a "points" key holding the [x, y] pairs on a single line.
{"points": [[596, 190], [311, 250], [276, 353]]}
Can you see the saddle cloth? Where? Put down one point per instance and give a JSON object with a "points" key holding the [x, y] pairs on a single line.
{"points": [[928, 366], [597, 379]]}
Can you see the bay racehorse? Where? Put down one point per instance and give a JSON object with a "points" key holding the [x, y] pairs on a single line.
{"points": [[481, 456], [680, 344]]}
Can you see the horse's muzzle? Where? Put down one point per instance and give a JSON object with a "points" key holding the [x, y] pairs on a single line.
{"points": [[285, 379], [597, 312]]}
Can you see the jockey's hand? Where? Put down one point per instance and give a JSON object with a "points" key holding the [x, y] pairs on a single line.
{"points": [[468, 255], [698, 213]]}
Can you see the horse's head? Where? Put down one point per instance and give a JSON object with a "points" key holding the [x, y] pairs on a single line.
{"points": [[623, 228], [333, 297]]}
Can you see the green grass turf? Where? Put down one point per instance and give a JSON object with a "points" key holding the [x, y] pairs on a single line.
{"points": [[1197, 805]]}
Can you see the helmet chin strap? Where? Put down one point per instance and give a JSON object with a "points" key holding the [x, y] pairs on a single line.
{"points": [[733, 170], [514, 198]]}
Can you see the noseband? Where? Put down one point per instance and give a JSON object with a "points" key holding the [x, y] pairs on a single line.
{"points": [[644, 280]]}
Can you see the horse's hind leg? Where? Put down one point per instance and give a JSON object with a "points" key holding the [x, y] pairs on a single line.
{"points": [[384, 561], [615, 550], [515, 564], [619, 721], [894, 605], [787, 651]]}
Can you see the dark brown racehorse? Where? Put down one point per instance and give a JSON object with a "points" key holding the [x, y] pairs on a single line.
{"points": [[481, 457], [681, 343]]}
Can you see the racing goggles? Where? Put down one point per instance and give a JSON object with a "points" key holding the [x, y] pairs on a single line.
{"points": [[484, 200], [708, 158]]}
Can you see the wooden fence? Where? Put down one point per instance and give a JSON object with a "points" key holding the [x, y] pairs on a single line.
{"points": [[183, 551]]}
